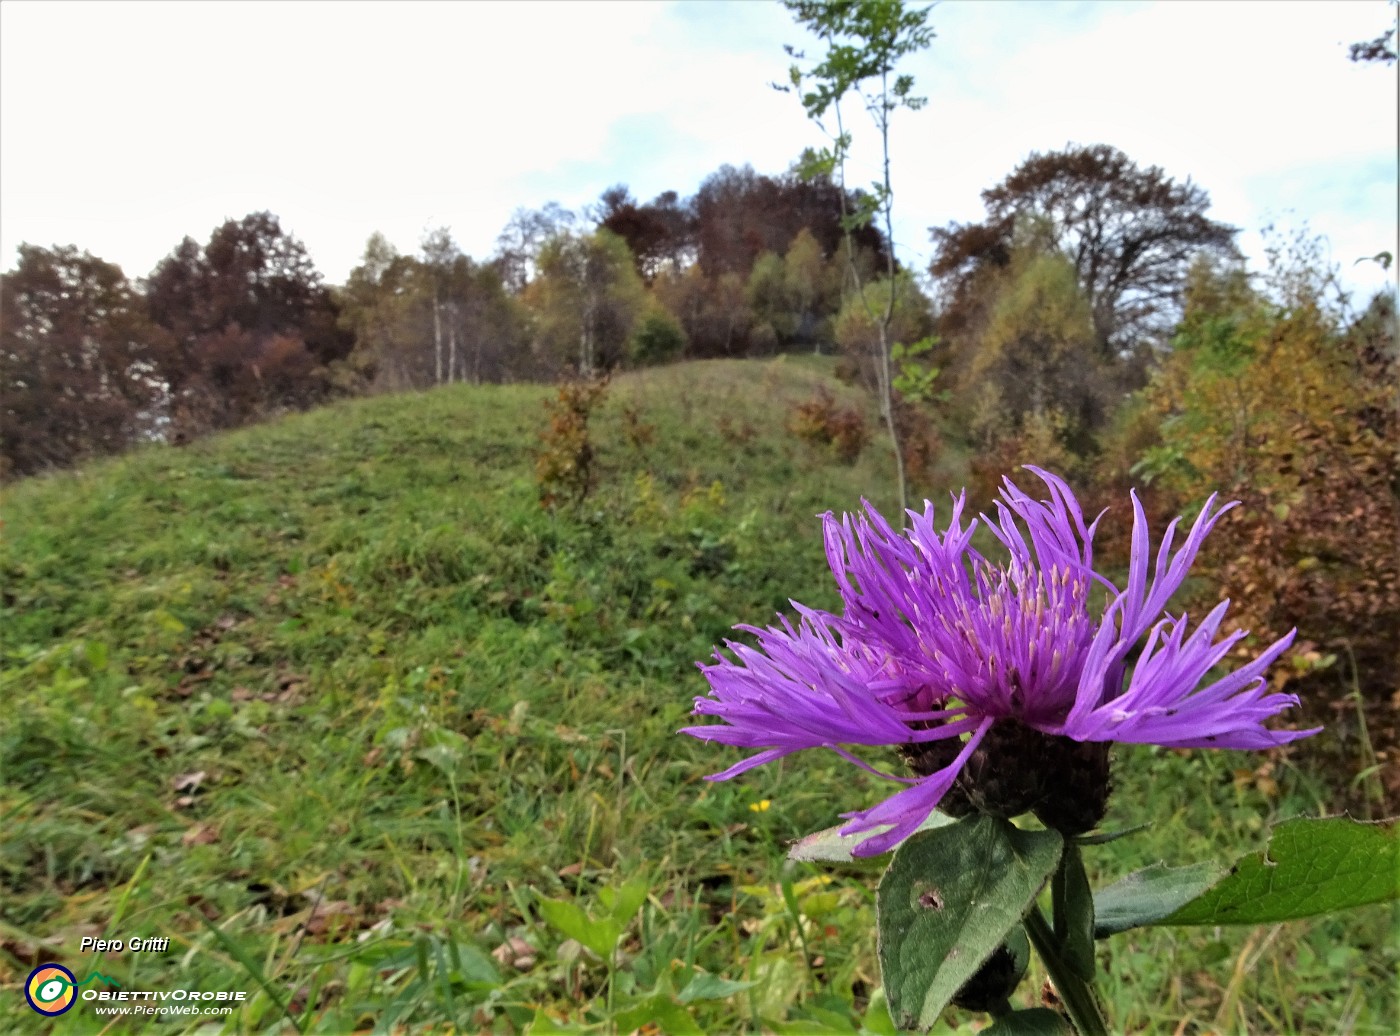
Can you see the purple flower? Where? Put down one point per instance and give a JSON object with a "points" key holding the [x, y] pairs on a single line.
{"points": [[936, 641]]}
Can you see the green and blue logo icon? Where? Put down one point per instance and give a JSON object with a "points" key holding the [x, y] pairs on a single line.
{"points": [[52, 989]]}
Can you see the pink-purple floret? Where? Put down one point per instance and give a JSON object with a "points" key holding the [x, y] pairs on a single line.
{"points": [[935, 641]]}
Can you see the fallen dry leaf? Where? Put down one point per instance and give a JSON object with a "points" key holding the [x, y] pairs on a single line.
{"points": [[188, 781], [516, 953], [200, 834]]}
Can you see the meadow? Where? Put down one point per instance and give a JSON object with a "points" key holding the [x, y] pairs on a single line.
{"points": [[334, 705]]}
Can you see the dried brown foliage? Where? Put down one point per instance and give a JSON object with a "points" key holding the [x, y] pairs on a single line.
{"points": [[1297, 419], [821, 422], [564, 464]]}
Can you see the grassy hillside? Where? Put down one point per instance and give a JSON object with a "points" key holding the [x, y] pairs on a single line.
{"points": [[336, 707]]}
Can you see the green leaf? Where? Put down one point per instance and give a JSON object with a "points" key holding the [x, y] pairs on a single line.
{"points": [[474, 965], [877, 1020], [704, 986], [948, 900], [1146, 896], [1310, 867], [599, 936], [1074, 913], [622, 905], [656, 1008], [831, 846], [675, 1020], [543, 1024], [1038, 1021]]}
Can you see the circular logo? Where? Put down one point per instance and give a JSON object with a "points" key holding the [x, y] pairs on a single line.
{"points": [[51, 989]]}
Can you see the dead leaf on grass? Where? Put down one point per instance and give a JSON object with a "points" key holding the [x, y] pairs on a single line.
{"points": [[200, 834], [188, 781], [516, 953]]}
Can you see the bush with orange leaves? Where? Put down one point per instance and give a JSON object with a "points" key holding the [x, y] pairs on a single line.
{"points": [[564, 464]]}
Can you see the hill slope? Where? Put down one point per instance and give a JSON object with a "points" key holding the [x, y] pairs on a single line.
{"points": [[334, 705]]}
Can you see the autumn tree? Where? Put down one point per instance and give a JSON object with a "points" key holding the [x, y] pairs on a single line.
{"points": [[440, 253], [1036, 367], [658, 337], [80, 362], [794, 296], [659, 234], [488, 324], [519, 244], [1277, 399], [380, 307], [255, 326], [586, 300], [422, 320], [858, 324], [713, 311], [740, 214], [1131, 234]]}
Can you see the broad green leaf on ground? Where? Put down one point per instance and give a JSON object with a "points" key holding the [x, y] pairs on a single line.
{"points": [[1037, 1021], [1310, 867], [570, 919], [622, 904], [660, 1009], [1145, 897], [948, 900], [831, 846], [705, 986]]}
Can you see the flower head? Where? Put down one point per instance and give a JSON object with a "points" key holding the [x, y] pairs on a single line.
{"points": [[989, 675]]}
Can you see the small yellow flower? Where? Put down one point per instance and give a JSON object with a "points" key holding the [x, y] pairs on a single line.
{"points": [[761, 806]]}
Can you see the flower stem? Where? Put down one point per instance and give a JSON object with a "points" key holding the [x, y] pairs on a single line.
{"points": [[1078, 996]]}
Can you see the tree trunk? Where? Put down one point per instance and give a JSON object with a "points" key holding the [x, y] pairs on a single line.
{"points": [[437, 340], [452, 343]]}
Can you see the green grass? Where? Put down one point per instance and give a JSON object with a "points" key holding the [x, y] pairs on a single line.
{"points": [[336, 707]]}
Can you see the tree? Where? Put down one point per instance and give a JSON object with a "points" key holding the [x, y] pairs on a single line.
{"points": [[488, 323], [793, 296], [713, 312], [813, 287], [587, 299], [858, 324], [1036, 359], [262, 279], [379, 308], [440, 252], [1131, 234], [1380, 49], [768, 299], [519, 244], [740, 214], [80, 362], [254, 324], [402, 309], [1285, 404], [658, 338], [659, 234], [865, 40]]}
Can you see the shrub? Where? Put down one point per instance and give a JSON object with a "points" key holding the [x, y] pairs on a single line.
{"points": [[564, 465], [658, 339], [821, 422]]}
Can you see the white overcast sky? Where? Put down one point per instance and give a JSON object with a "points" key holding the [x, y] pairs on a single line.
{"points": [[124, 127]]}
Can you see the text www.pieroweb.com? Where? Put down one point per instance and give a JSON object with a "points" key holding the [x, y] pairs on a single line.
{"points": [[179, 1002]]}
